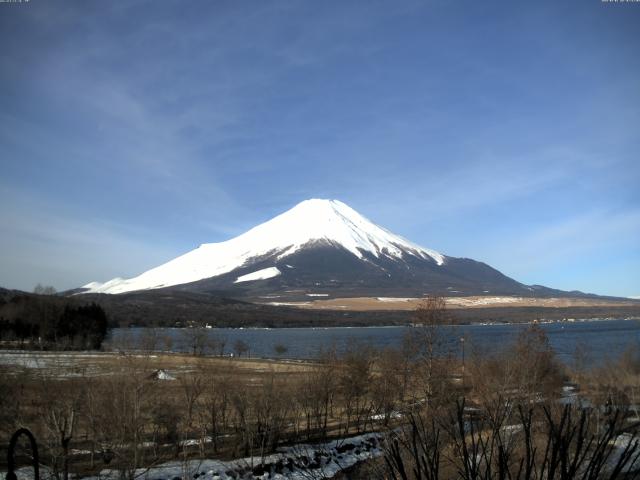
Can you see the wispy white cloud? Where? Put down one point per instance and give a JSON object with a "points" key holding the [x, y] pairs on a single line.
{"points": [[40, 242], [593, 233]]}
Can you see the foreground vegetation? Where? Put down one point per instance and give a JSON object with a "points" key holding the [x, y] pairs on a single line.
{"points": [[517, 413]]}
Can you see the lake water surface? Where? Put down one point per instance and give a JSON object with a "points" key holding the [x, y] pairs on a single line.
{"points": [[603, 339]]}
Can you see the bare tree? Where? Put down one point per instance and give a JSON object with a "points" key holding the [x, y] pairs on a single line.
{"points": [[430, 346], [241, 347], [125, 407], [354, 377], [61, 416], [12, 388], [192, 388], [241, 405], [280, 349], [581, 360], [387, 384], [149, 340], [316, 394], [537, 370], [525, 371], [270, 414], [195, 339], [218, 343], [214, 416], [40, 289]]}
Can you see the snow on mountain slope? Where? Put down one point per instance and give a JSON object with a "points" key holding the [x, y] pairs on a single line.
{"points": [[263, 274], [308, 222]]}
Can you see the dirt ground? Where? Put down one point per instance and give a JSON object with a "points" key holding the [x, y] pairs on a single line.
{"points": [[75, 364]]}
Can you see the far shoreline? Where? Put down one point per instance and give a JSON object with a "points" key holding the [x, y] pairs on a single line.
{"points": [[468, 324]]}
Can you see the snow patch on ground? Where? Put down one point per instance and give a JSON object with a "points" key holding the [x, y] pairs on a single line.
{"points": [[163, 375], [619, 444], [297, 462], [288, 304], [473, 301], [58, 364]]}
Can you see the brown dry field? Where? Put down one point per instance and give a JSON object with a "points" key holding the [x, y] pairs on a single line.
{"points": [[388, 303], [73, 364]]}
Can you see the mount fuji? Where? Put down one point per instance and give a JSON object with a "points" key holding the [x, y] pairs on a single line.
{"points": [[321, 248]]}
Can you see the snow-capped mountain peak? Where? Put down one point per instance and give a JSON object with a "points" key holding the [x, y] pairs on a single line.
{"points": [[309, 222], [333, 221]]}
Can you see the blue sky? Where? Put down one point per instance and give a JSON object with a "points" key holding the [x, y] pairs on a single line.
{"points": [[507, 132]]}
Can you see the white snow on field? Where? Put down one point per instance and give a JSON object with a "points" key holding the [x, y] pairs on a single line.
{"points": [[382, 416], [483, 300], [164, 375], [58, 364], [38, 359], [619, 444], [24, 361], [394, 299], [297, 462], [288, 304], [259, 275], [309, 222]]}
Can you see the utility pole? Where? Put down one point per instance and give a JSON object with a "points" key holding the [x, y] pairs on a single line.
{"points": [[462, 343]]}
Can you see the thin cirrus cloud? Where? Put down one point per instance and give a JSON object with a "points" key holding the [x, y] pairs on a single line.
{"points": [[42, 243], [598, 232]]}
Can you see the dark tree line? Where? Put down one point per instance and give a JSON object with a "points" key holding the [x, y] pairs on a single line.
{"points": [[45, 321]]}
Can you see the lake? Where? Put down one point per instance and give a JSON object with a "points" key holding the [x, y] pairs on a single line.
{"points": [[602, 338]]}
